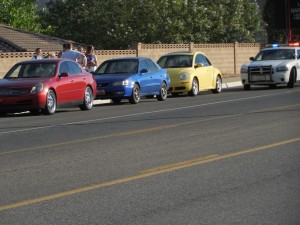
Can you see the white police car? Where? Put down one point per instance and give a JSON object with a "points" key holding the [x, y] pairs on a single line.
{"points": [[272, 66]]}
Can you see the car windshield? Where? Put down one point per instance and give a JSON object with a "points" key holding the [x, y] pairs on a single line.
{"points": [[275, 54], [31, 70], [124, 66], [176, 61]]}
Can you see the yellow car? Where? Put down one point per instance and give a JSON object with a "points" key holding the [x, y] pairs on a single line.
{"points": [[191, 72]]}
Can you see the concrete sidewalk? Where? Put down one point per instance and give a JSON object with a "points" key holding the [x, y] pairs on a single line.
{"points": [[228, 82]]}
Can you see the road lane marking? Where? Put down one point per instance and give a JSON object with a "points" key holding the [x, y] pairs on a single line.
{"points": [[143, 113], [148, 173], [127, 133]]}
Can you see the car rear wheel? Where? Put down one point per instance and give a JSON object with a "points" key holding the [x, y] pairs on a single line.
{"points": [[218, 88], [292, 78], [195, 88], [50, 107], [88, 99], [163, 92], [135, 96]]}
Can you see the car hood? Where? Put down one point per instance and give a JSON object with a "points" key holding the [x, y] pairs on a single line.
{"points": [[273, 63], [21, 82], [113, 77], [177, 71]]}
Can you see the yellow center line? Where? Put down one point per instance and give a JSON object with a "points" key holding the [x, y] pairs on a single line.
{"points": [[150, 172]]}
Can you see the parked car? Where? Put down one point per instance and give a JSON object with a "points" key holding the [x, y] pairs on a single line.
{"points": [[130, 78], [43, 85], [271, 67], [191, 72]]}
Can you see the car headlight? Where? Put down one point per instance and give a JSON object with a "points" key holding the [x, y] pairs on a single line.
{"points": [[244, 69], [282, 68], [184, 76], [37, 88], [121, 83]]}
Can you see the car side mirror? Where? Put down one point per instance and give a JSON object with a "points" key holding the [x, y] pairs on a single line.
{"points": [[64, 74], [144, 71], [251, 58], [199, 65]]}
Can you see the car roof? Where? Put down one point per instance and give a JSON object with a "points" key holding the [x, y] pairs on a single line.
{"points": [[128, 58], [275, 48], [183, 53]]}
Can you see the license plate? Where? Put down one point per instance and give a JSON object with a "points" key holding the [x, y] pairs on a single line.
{"points": [[260, 78]]}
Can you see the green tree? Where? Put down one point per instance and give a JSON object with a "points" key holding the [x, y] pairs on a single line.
{"points": [[20, 14], [117, 24]]}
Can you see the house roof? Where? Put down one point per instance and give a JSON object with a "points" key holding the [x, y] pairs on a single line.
{"points": [[17, 40]]}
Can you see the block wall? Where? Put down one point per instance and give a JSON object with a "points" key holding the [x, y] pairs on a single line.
{"points": [[227, 57]]}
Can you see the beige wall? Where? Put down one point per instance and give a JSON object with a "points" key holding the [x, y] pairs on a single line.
{"points": [[227, 57]]}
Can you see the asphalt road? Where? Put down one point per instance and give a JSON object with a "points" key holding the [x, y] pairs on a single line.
{"points": [[231, 158]]}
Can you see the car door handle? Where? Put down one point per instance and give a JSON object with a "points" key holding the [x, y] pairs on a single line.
{"points": [[72, 81]]}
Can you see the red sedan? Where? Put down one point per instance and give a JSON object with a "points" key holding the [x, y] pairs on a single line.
{"points": [[43, 85]]}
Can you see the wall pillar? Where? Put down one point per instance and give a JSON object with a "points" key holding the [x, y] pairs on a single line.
{"points": [[235, 57], [191, 46]]}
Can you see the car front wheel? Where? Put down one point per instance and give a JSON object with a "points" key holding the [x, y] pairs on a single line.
{"points": [[218, 88], [292, 78], [195, 88], [50, 107], [163, 92], [135, 96]]}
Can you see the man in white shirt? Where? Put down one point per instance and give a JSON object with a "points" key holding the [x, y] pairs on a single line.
{"points": [[74, 55], [38, 54]]}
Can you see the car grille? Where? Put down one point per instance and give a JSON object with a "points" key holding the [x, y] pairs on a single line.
{"points": [[260, 74], [13, 92]]}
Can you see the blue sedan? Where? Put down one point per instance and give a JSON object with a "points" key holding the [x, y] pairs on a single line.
{"points": [[131, 78]]}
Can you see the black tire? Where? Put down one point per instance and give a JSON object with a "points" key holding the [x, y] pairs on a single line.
{"points": [[50, 106], [163, 92], [116, 100], [272, 86], [218, 88], [292, 79], [247, 87], [135, 96], [88, 99], [195, 88]]}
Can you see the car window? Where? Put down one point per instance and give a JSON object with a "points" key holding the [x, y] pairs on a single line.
{"points": [[14, 72], [275, 54], [74, 68], [202, 59], [298, 53], [29, 70], [152, 66], [63, 68], [124, 66], [143, 65], [175, 61]]}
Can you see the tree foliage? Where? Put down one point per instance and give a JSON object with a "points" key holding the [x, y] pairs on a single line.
{"points": [[118, 24], [20, 14]]}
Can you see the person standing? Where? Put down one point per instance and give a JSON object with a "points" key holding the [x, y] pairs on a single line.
{"points": [[91, 59], [73, 55], [38, 54], [63, 50]]}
